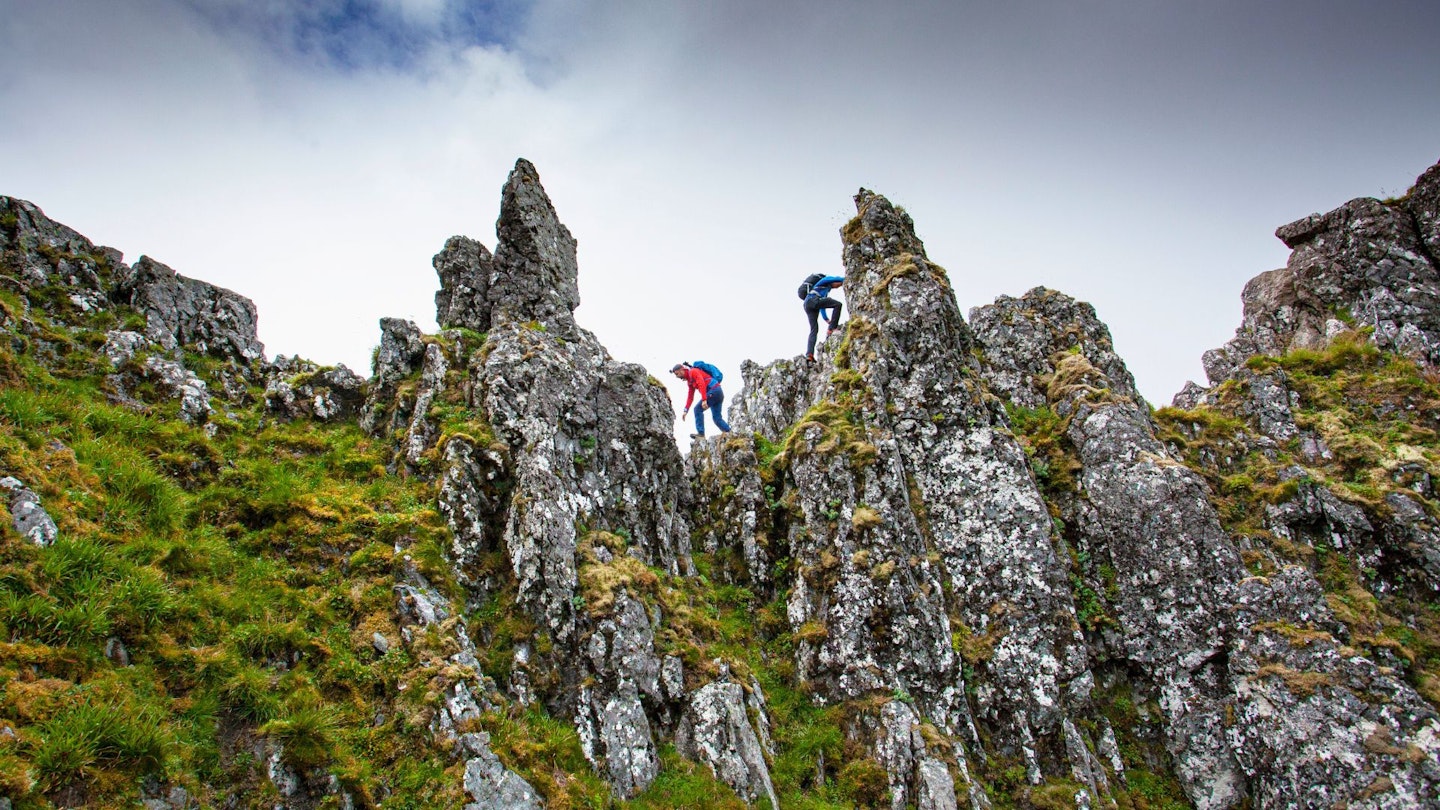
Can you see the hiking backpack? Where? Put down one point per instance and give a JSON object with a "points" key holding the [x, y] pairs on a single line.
{"points": [[715, 375], [809, 284]]}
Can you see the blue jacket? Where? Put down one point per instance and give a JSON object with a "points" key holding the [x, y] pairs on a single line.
{"points": [[821, 288]]}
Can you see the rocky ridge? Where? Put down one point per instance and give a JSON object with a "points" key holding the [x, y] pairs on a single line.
{"points": [[951, 564]]}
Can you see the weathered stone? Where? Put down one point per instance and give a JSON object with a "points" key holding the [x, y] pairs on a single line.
{"points": [[182, 384], [42, 252], [717, 731], [400, 354], [491, 786], [27, 516], [535, 276], [615, 731], [464, 267], [183, 312], [1169, 599], [299, 389], [916, 777], [1368, 262], [1314, 726]]}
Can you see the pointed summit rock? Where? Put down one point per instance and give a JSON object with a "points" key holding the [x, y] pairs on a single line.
{"points": [[535, 275], [923, 566]]}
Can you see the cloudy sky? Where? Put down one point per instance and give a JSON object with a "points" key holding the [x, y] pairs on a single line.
{"points": [[314, 154]]}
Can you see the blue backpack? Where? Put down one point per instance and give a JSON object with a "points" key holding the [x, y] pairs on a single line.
{"points": [[715, 375]]}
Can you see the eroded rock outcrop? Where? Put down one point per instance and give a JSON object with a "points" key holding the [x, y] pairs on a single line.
{"points": [[1367, 263], [181, 311], [551, 445], [1213, 644], [1137, 514], [923, 558], [968, 561]]}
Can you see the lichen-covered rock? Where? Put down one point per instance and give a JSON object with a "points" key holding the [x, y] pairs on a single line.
{"points": [[917, 777], [1367, 263], [566, 440], [1316, 725], [27, 516], [473, 501], [42, 253], [462, 691], [491, 786], [717, 730], [183, 312], [421, 433], [298, 389], [464, 267], [535, 276], [615, 731], [911, 516], [130, 353], [182, 384], [982, 510], [732, 510], [1169, 599]]}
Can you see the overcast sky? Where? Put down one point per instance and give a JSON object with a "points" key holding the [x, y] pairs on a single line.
{"points": [[314, 154]]}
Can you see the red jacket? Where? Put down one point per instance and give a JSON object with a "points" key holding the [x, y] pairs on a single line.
{"points": [[699, 382]]}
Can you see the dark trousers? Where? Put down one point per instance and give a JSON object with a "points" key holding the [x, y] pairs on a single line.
{"points": [[813, 306], [714, 399]]}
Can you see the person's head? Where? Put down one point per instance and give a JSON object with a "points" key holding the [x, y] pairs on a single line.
{"points": [[679, 370]]}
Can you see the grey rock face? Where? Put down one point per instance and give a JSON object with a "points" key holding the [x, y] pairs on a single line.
{"points": [[1315, 726], [1408, 540], [169, 376], [44, 252], [401, 351], [473, 506], [917, 777], [185, 312], [717, 731], [400, 354], [1368, 262], [464, 692], [27, 516], [910, 510], [983, 513], [567, 438], [182, 384], [489, 783], [298, 389], [464, 267], [615, 731], [730, 500], [1169, 598], [535, 275], [1035, 332]]}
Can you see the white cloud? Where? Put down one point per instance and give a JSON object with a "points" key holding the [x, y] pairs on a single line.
{"points": [[704, 154]]}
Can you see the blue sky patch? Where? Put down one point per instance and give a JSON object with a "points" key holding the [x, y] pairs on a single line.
{"points": [[358, 35]]}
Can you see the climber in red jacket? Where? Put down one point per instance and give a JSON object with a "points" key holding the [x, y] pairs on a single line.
{"points": [[710, 393]]}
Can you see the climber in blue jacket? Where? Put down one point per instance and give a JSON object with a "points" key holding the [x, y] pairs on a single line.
{"points": [[816, 300]]}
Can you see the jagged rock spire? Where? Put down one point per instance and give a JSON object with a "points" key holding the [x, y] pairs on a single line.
{"points": [[532, 275], [535, 276]]}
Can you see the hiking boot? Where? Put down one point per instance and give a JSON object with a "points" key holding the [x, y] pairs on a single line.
{"points": [[809, 358], [697, 435]]}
